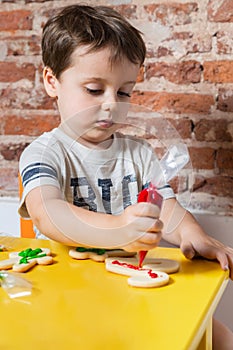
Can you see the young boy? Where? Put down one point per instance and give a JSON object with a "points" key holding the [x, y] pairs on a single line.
{"points": [[81, 180]]}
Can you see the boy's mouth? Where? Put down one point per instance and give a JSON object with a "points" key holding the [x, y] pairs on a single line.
{"points": [[105, 124]]}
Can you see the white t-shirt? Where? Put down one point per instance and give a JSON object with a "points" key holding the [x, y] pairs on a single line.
{"points": [[101, 180]]}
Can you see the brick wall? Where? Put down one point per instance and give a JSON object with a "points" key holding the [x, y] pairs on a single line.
{"points": [[187, 79]]}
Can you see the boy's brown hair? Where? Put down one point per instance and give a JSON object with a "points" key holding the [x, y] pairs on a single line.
{"points": [[97, 27]]}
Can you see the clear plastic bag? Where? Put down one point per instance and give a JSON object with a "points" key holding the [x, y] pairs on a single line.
{"points": [[14, 285], [176, 157], [174, 160]]}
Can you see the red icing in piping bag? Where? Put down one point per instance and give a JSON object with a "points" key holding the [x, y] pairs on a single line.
{"points": [[151, 195], [141, 257]]}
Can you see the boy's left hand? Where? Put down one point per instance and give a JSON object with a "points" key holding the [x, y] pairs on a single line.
{"points": [[209, 248]]}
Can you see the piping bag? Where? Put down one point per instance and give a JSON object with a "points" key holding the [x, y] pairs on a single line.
{"points": [[172, 162]]}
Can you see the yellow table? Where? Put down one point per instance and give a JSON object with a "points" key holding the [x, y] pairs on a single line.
{"points": [[79, 305]]}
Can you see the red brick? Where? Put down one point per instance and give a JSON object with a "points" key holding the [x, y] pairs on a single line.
{"points": [[199, 181], [17, 19], [12, 151], [218, 71], [179, 73], [181, 36], [212, 130], [11, 72], [128, 11], [183, 126], [199, 43], [224, 42], [23, 46], [220, 11], [33, 126], [224, 159], [202, 158], [171, 13], [159, 128], [25, 98], [161, 52], [174, 102], [218, 186], [140, 77], [179, 184], [182, 44], [225, 100]]}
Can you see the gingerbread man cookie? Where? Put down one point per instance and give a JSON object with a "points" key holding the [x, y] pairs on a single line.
{"points": [[26, 259], [139, 276], [97, 254]]}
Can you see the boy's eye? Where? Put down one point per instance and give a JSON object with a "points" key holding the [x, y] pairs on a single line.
{"points": [[94, 91], [97, 92], [124, 94]]}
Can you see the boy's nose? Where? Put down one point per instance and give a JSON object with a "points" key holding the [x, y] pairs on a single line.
{"points": [[109, 103], [109, 106]]}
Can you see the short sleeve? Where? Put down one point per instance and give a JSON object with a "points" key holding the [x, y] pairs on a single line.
{"points": [[38, 166]]}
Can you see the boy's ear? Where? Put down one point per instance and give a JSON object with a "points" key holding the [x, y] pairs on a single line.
{"points": [[50, 82]]}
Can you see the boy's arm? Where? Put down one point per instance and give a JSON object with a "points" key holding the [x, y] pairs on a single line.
{"points": [[71, 225], [182, 229]]}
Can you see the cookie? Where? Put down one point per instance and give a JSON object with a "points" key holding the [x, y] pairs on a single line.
{"points": [[164, 265], [146, 282], [8, 263], [139, 277], [97, 254], [27, 251], [26, 259], [23, 267]]}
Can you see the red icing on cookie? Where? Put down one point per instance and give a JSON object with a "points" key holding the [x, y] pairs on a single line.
{"points": [[133, 267]]}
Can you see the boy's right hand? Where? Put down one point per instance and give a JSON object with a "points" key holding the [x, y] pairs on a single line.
{"points": [[142, 220], [72, 225]]}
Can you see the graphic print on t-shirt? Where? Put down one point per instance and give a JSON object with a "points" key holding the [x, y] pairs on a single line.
{"points": [[105, 186]]}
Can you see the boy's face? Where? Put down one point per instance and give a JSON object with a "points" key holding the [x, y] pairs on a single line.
{"points": [[93, 95]]}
